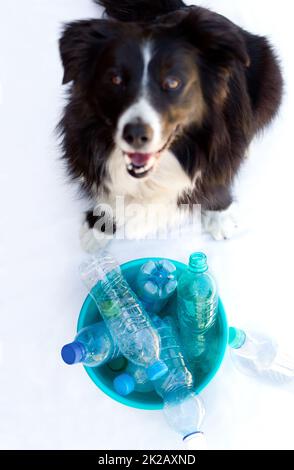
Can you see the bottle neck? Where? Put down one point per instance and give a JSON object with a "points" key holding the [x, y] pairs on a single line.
{"points": [[198, 263], [196, 271], [80, 352]]}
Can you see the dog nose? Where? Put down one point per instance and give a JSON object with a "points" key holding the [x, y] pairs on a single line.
{"points": [[138, 134]]}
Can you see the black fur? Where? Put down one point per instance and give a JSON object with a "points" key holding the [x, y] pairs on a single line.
{"points": [[92, 220], [139, 10], [240, 81]]}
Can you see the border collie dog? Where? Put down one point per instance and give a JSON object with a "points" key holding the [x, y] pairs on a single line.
{"points": [[163, 103]]}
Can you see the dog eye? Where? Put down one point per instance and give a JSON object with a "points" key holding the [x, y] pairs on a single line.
{"points": [[171, 83], [116, 80]]}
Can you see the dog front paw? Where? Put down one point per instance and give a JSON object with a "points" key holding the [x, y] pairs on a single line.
{"points": [[222, 225]]}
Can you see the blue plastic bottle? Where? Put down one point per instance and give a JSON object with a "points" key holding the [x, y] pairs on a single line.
{"points": [[123, 314], [156, 282], [183, 409], [197, 305], [133, 379], [93, 346]]}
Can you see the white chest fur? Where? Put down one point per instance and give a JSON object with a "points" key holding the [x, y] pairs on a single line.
{"points": [[149, 204]]}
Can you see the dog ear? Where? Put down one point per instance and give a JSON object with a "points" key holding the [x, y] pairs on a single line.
{"points": [[217, 39], [80, 42]]}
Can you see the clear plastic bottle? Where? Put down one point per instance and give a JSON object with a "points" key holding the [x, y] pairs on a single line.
{"points": [[185, 414], [156, 283], [133, 379], [123, 314], [183, 409], [93, 346], [259, 356], [197, 305]]}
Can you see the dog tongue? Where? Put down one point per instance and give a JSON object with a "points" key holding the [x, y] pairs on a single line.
{"points": [[140, 159]]}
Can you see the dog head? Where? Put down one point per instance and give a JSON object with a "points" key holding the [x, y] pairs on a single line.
{"points": [[149, 83]]}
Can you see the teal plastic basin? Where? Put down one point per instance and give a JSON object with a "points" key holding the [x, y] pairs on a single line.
{"points": [[103, 376]]}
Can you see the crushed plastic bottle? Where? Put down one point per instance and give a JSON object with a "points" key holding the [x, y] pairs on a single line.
{"points": [[123, 314], [257, 355], [156, 283], [183, 408]]}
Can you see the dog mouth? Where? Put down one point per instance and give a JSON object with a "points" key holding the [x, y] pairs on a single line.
{"points": [[139, 165]]}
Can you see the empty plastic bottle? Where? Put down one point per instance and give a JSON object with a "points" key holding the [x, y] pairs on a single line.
{"points": [[183, 409], [134, 379], [185, 414], [123, 314], [197, 305], [171, 354], [156, 282], [93, 346], [260, 356]]}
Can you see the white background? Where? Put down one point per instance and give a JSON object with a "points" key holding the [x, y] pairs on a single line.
{"points": [[43, 403]]}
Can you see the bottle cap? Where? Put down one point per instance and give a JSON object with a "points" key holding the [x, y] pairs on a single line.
{"points": [[124, 384], [157, 370], [73, 353], [168, 266], [237, 338], [195, 441], [170, 287], [198, 262]]}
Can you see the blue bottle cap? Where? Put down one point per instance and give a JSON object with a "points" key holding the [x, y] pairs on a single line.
{"points": [[124, 384], [73, 353], [157, 370]]}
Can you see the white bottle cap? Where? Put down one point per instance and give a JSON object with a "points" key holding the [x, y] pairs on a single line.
{"points": [[195, 441]]}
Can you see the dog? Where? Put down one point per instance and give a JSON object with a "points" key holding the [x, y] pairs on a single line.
{"points": [[163, 102]]}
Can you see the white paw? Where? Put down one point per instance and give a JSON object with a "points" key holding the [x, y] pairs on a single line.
{"points": [[92, 240], [222, 225]]}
